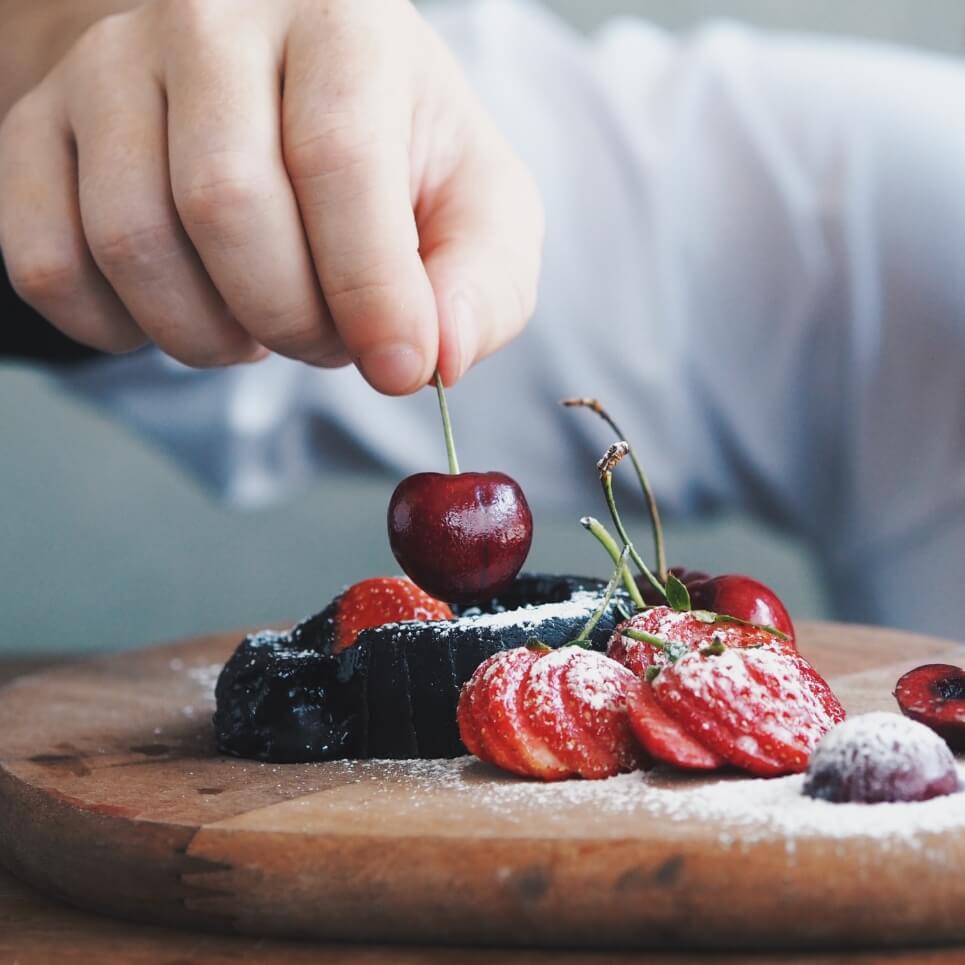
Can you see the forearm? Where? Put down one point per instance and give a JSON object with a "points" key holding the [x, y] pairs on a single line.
{"points": [[37, 34]]}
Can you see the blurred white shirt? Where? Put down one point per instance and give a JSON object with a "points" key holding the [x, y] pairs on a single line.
{"points": [[754, 258]]}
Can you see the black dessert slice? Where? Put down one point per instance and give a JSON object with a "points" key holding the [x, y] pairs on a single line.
{"points": [[286, 697], [279, 702]]}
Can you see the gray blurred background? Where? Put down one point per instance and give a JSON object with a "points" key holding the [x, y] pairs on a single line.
{"points": [[104, 544]]}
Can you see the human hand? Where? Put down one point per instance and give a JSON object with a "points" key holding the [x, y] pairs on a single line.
{"points": [[308, 177]]}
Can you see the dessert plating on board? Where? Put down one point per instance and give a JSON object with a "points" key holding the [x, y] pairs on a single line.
{"points": [[293, 696], [559, 677]]}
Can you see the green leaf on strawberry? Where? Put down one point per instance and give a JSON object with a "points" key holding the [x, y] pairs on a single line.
{"points": [[678, 596]]}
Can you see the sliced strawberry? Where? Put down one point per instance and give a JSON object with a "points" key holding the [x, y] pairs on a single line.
{"points": [[662, 737], [595, 690], [381, 600], [490, 722], [550, 714], [760, 709], [493, 703], [497, 713], [544, 713], [465, 718], [541, 760], [691, 629]]}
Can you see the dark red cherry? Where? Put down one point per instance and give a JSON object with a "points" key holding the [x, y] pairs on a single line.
{"points": [[462, 538], [731, 593], [935, 695]]}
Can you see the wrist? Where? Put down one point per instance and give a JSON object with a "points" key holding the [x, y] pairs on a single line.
{"points": [[36, 36]]}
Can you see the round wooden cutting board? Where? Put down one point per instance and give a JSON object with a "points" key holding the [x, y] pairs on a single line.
{"points": [[112, 797]]}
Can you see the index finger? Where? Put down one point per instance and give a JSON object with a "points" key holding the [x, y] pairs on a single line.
{"points": [[346, 128]]}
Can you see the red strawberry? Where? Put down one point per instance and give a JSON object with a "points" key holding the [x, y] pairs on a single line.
{"points": [[545, 713], [381, 600], [466, 719], [494, 708], [693, 629], [760, 709], [550, 714], [662, 737], [595, 690]]}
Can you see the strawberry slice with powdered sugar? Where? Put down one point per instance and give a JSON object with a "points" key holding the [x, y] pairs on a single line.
{"points": [[595, 692], [550, 714], [691, 629], [544, 714], [662, 737], [760, 709]]}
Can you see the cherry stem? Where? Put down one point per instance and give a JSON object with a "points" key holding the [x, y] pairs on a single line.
{"points": [[644, 637], [447, 427], [597, 529], [655, 525], [610, 458], [605, 602]]}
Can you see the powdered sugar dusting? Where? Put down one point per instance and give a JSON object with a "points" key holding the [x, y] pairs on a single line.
{"points": [[206, 676], [732, 680], [582, 603], [598, 682], [739, 811]]}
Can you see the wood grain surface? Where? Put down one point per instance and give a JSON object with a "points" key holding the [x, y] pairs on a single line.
{"points": [[111, 797]]}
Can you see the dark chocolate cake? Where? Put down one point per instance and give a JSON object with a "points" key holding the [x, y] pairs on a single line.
{"points": [[285, 697]]}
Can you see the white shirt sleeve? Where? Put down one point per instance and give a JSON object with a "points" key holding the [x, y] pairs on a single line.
{"points": [[754, 258]]}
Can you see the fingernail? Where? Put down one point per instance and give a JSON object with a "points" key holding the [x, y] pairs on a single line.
{"points": [[394, 368], [464, 323]]}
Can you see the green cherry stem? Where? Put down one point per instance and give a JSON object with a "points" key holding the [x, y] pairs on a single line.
{"points": [[674, 649], [590, 625], [644, 637], [447, 427], [602, 534], [655, 525], [610, 459]]}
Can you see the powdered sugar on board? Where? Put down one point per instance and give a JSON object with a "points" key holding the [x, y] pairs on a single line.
{"points": [[739, 811]]}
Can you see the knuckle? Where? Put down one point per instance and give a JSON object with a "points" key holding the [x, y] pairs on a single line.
{"points": [[22, 118], [296, 333], [196, 18], [117, 245], [107, 33], [362, 298], [220, 194], [43, 274], [339, 145]]}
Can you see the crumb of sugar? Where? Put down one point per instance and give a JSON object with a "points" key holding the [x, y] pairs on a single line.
{"points": [[205, 676]]}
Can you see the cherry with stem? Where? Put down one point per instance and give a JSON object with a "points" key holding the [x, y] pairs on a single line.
{"points": [[460, 536]]}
